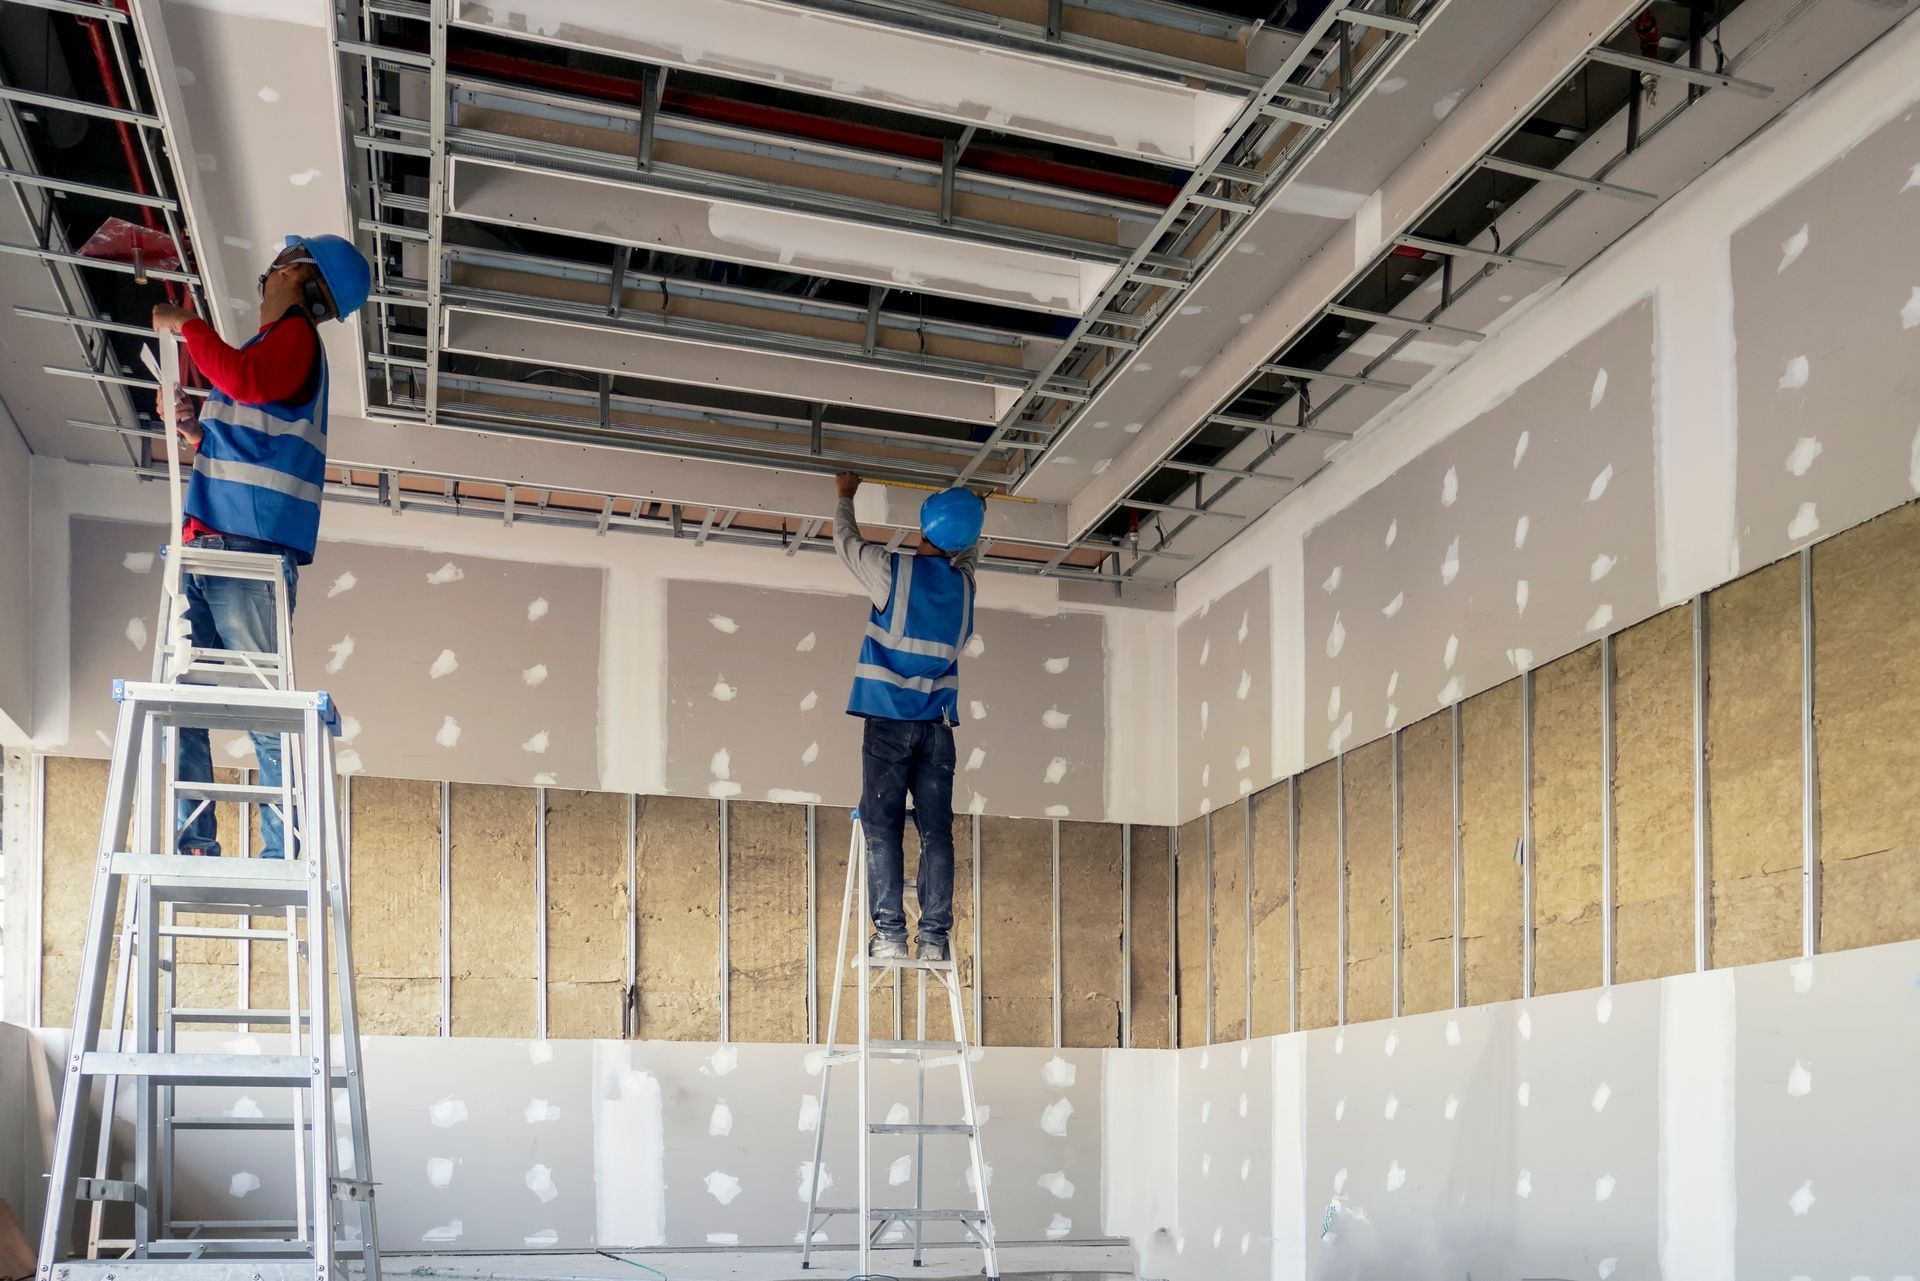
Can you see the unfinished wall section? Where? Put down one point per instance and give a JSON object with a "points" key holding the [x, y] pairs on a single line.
{"points": [[1192, 928], [396, 905], [75, 795], [1271, 926], [1568, 841], [1150, 944], [1867, 697], [1426, 865], [1653, 797], [587, 943], [1370, 946], [1490, 817], [1754, 764], [1016, 931], [1092, 965], [678, 959], [496, 942], [1318, 889], [766, 921], [1229, 942]]}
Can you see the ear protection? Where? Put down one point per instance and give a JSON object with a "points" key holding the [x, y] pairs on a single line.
{"points": [[316, 298]]}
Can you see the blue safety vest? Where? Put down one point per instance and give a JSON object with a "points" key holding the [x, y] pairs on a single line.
{"points": [[909, 668], [261, 468]]}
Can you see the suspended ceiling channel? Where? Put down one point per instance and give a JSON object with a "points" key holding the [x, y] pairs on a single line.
{"points": [[1387, 156], [1768, 42], [757, 235], [42, 299], [664, 359], [884, 65]]}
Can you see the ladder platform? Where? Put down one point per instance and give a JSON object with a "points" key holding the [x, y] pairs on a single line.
{"points": [[207, 1069], [224, 562], [267, 711], [196, 1014], [917, 1127], [269, 1123], [198, 868], [906, 963], [184, 1270]]}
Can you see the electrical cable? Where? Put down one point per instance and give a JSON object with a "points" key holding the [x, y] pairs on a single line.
{"points": [[634, 1262]]}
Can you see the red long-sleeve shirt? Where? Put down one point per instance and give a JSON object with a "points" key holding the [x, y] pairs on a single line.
{"points": [[280, 365]]}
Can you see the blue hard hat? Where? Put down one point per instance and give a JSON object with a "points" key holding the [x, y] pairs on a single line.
{"points": [[951, 519], [348, 274]]}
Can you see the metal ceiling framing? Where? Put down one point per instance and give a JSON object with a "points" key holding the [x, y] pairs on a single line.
{"points": [[36, 194], [1304, 414], [1283, 118]]}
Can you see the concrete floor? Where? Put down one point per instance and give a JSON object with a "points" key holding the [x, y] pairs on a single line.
{"points": [[1017, 1263]]}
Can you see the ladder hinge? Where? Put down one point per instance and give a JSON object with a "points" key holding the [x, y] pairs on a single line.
{"points": [[92, 1189], [352, 1190]]}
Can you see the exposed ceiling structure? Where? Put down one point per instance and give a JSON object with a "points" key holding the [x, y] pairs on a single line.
{"points": [[654, 267]]}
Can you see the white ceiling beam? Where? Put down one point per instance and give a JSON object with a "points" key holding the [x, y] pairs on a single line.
{"points": [[782, 239], [839, 56], [502, 458], [662, 358]]}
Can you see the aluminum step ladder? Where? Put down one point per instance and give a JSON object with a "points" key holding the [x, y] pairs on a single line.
{"points": [[976, 1221], [133, 1043]]}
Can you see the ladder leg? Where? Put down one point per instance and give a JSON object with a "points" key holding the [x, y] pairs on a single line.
{"points": [[116, 1036], [863, 967], [75, 1089], [294, 1046], [164, 1095], [920, 1115], [335, 876], [145, 1007], [833, 1029], [988, 1247], [309, 816]]}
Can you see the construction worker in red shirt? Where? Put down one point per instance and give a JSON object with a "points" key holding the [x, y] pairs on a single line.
{"points": [[260, 458]]}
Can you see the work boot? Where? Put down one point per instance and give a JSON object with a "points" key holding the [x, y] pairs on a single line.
{"points": [[882, 948], [932, 951]]}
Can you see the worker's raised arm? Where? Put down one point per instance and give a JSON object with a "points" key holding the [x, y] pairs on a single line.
{"points": [[871, 563]]}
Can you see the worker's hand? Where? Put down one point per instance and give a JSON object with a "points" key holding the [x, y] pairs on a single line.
{"points": [[169, 319], [846, 483], [186, 422]]}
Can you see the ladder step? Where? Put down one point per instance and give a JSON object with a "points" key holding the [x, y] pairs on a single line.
{"points": [[207, 1069], [187, 1014], [214, 1269], [217, 706], [917, 1127], [219, 932], [193, 868], [234, 1123], [920, 1047], [902, 963], [908, 1215], [234, 793], [903, 1051]]}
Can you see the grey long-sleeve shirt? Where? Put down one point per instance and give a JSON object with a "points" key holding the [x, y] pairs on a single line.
{"points": [[872, 563]]}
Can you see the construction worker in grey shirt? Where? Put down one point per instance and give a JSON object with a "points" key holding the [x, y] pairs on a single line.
{"points": [[906, 685]]}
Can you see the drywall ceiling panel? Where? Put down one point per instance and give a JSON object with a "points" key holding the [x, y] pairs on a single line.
{"points": [[546, 341], [259, 104], [1447, 63], [1827, 332], [40, 403], [757, 692], [786, 46], [1515, 540], [444, 667], [758, 235], [1224, 669]]}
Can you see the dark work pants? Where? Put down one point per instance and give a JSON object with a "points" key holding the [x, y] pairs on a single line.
{"points": [[898, 759]]}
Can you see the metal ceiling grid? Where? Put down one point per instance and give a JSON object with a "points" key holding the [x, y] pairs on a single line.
{"points": [[612, 138], [1266, 437], [37, 195]]}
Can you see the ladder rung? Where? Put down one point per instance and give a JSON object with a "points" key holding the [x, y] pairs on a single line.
{"points": [[905, 1051], [919, 1047], [230, 793], [916, 1127], [196, 1014], [908, 1214], [206, 1069], [233, 1123], [219, 932], [213, 1269], [902, 963]]}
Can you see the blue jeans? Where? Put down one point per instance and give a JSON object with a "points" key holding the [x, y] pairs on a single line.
{"points": [[231, 613], [899, 758]]}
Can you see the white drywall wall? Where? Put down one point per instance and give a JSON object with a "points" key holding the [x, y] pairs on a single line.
{"points": [[16, 618], [1679, 257], [632, 641]]}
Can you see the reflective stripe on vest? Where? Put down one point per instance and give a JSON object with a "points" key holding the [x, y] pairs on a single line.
{"points": [[261, 469], [909, 666]]}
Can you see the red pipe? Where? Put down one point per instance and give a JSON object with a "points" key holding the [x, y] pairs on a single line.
{"points": [[798, 124]]}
